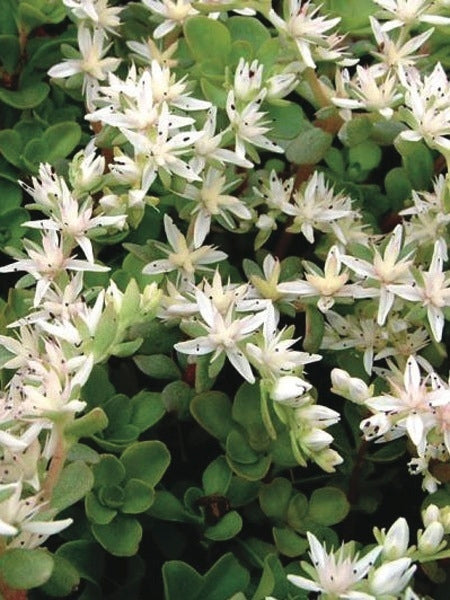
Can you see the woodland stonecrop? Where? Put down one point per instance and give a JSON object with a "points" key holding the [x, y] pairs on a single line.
{"points": [[210, 130]]}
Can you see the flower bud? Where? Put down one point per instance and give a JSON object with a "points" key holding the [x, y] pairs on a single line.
{"points": [[430, 540], [430, 514], [391, 578], [289, 388], [396, 540]]}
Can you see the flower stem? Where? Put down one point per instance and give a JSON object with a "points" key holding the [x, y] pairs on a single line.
{"points": [[56, 466]]}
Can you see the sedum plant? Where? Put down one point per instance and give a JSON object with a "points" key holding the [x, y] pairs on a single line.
{"points": [[223, 348]]}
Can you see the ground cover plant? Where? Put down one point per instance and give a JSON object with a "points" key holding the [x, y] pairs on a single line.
{"points": [[223, 350]]}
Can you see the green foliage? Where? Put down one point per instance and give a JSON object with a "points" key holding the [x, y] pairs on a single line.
{"points": [[24, 569]]}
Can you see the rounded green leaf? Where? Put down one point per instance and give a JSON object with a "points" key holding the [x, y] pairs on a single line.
{"points": [[212, 410], [239, 450], [178, 575], [249, 30], [97, 512], [64, 579], [158, 366], [288, 542], [207, 39], [108, 471], [286, 120], [328, 506], [138, 496], [121, 537], [74, 483], [367, 155], [274, 498], [228, 526], [309, 147], [146, 461], [252, 472], [217, 477], [28, 97], [25, 569]]}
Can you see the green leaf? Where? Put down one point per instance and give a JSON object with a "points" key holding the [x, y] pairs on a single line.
{"points": [[73, 484], [418, 162], [9, 51], [61, 139], [398, 187], [108, 471], [64, 579], [388, 452], [167, 507], [176, 398], [354, 13], [87, 425], [309, 147], [28, 97], [97, 512], [297, 511], [11, 196], [274, 498], [248, 29], [147, 409], [225, 578], [121, 537], [147, 461], [105, 333], [85, 556], [328, 506], [158, 366], [355, 131], [139, 496], [11, 146], [177, 576], [214, 93], [23, 569], [212, 410], [252, 472], [217, 477], [314, 329], [239, 450], [367, 155], [226, 529], [286, 121], [207, 39], [288, 542]]}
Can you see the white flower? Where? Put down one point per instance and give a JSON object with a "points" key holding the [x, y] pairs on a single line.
{"points": [[223, 334], [93, 63], [397, 55], [97, 12], [174, 13], [48, 261], [316, 206], [184, 256], [327, 286], [273, 356], [248, 125], [212, 202], [17, 514], [335, 574], [305, 27], [389, 268], [401, 13], [159, 151], [429, 109], [370, 93], [432, 290], [75, 222], [276, 193], [247, 80], [207, 147]]}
